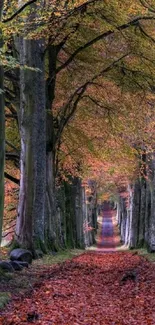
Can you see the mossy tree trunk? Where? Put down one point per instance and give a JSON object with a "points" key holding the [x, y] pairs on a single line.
{"points": [[32, 123], [51, 220]]}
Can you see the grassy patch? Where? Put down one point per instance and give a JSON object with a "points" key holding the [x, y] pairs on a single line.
{"points": [[145, 253], [4, 299], [59, 257]]}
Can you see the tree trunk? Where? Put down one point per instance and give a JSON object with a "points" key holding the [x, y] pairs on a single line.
{"points": [[147, 213], [118, 215], [85, 217], [50, 215], [129, 216], [79, 220], [61, 215], [152, 216], [52, 228], [141, 233], [123, 219], [32, 123], [134, 219], [2, 133], [69, 216], [91, 212]]}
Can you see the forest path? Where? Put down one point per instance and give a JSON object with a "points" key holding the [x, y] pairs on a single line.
{"points": [[108, 239], [91, 289]]}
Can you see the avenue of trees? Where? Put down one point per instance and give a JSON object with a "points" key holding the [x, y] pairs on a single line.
{"points": [[79, 98]]}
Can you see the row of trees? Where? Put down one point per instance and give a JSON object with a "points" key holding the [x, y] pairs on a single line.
{"points": [[71, 73], [136, 211]]}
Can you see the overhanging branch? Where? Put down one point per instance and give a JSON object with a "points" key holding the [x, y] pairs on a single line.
{"points": [[100, 37], [12, 179], [146, 5], [18, 11], [69, 108]]}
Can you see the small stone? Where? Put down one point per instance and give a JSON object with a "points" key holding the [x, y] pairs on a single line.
{"points": [[131, 276], [6, 266], [32, 316], [16, 265], [23, 264], [20, 254]]}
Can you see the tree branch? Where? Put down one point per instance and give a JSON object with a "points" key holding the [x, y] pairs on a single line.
{"points": [[69, 108], [100, 37], [18, 11], [11, 145], [98, 104], [11, 178], [145, 34], [12, 156], [147, 5], [14, 116]]}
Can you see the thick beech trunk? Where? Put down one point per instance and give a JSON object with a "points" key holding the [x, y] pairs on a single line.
{"points": [[31, 209], [2, 133], [52, 215]]}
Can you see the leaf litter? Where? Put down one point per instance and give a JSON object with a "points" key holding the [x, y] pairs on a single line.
{"points": [[115, 288]]}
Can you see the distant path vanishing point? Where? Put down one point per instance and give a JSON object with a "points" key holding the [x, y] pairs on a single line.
{"points": [[108, 238]]}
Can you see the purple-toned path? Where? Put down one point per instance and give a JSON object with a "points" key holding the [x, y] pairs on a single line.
{"points": [[108, 238]]}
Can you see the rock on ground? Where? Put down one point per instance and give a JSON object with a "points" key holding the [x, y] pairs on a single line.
{"points": [[20, 254]]}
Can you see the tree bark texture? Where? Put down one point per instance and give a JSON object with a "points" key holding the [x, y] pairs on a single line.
{"points": [[32, 123], [151, 240]]}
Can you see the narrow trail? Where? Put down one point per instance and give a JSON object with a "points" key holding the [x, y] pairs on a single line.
{"points": [[108, 239]]}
